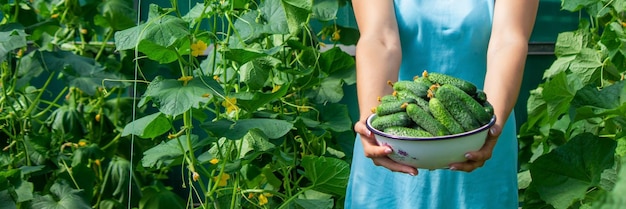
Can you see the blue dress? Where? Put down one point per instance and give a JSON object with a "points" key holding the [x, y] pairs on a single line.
{"points": [[448, 36]]}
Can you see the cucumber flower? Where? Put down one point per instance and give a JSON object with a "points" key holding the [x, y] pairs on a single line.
{"points": [[198, 48]]}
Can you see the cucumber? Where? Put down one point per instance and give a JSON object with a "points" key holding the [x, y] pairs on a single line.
{"points": [[386, 121], [418, 88], [476, 109], [457, 109], [389, 107], [405, 94], [407, 132], [387, 98], [443, 79], [426, 121], [480, 96], [440, 113], [488, 108]]}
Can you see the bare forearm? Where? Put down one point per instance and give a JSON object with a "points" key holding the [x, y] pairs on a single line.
{"points": [[376, 64]]}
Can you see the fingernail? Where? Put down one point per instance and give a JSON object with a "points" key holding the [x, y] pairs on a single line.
{"points": [[413, 174], [453, 168], [468, 156], [492, 131], [369, 133], [388, 150]]}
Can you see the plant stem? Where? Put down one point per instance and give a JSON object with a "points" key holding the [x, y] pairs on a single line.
{"points": [[104, 43]]}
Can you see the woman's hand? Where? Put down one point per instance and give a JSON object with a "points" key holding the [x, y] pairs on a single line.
{"points": [[478, 158], [378, 153]]}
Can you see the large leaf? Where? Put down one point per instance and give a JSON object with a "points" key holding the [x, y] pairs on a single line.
{"points": [[586, 64], [330, 90], [156, 38], [148, 127], [173, 97], [159, 197], [325, 10], [335, 117], [272, 128], [81, 72], [297, 12], [328, 175], [166, 153], [116, 14], [568, 43], [252, 102], [6, 200], [558, 93], [11, 40], [615, 199], [575, 5], [62, 197], [564, 175], [608, 98], [270, 20]]}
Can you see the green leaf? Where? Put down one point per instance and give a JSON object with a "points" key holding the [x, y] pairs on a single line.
{"points": [[118, 179], [252, 102], [11, 40], [197, 12], [560, 65], [82, 72], [314, 203], [328, 175], [62, 197], [325, 10], [270, 20], [615, 199], [272, 128], [173, 97], [116, 14], [565, 174], [160, 32], [148, 127], [575, 5], [255, 141], [159, 197], [335, 117], [298, 12], [336, 60], [6, 200], [608, 98], [558, 94], [165, 153], [330, 90], [568, 43], [256, 73], [586, 64]]}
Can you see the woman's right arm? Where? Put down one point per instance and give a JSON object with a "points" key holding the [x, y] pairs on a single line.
{"points": [[378, 56]]}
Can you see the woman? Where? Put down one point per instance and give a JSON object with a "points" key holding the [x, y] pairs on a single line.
{"points": [[482, 41]]}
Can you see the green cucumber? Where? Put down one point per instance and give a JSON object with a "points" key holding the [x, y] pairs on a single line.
{"points": [[426, 121], [443, 79], [457, 109], [386, 121], [406, 132], [476, 109], [420, 89], [440, 113], [390, 107]]}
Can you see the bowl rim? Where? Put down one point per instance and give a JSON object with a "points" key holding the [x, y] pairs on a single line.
{"points": [[452, 136]]}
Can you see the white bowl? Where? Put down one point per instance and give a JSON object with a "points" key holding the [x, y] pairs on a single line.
{"points": [[432, 152]]}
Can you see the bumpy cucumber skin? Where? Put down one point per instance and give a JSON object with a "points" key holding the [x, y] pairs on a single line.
{"points": [[418, 88], [426, 121], [480, 96], [457, 109], [488, 107], [395, 119], [444, 79], [388, 98], [406, 131], [390, 107], [440, 113], [476, 109]]}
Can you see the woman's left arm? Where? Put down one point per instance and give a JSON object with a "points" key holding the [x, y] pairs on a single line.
{"points": [[513, 21]]}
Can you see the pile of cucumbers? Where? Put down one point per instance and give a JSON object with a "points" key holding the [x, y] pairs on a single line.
{"points": [[433, 104]]}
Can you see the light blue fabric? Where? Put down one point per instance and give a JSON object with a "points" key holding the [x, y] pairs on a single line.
{"points": [[448, 36]]}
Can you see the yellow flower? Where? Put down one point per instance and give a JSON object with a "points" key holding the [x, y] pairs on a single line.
{"points": [[20, 53], [221, 180], [276, 88], [335, 36], [98, 116], [214, 161], [195, 176], [262, 199], [230, 104], [198, 48], [54, 16], [185, 79], [82, 143], [216, 78], [97, 162]]}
